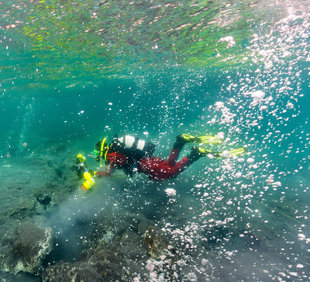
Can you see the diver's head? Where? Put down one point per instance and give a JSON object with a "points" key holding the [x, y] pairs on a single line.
{"points": [[101, 149]]}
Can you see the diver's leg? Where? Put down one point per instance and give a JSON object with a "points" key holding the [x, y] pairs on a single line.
{"points": [[176, 149], [180, 166], [195, 154], [158, 169], [154, 168]]}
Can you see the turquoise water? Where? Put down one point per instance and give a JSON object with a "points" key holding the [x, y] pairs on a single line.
{"points": [[74, 72]]}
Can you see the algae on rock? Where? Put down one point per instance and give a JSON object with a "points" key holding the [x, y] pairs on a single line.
{"points": [[24, 247]]}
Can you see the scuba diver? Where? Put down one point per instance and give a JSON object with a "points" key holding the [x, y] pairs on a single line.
{"points": [[135, 155]]}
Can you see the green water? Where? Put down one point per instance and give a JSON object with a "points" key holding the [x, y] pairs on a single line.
{"points": [[74, 72]]}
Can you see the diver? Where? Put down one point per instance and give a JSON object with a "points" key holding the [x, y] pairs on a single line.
{"points": [[135, 155]]}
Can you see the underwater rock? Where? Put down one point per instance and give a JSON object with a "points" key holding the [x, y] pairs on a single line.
{"points": [[155, 241], [109, 259], [44, 199], [108, 228], [24, 209], [130, 245], [108, 235], [99, 264], [117, 249], [30, 207], [24, 247], [82, 271]]}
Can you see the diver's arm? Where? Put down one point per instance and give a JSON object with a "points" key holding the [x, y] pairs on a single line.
{"points": [[108, 171]]}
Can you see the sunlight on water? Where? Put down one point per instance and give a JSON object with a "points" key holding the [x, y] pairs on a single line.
{"points": [[89, 40], [73, 72]]}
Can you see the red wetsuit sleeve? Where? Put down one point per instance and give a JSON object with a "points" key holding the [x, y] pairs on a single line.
{"points": [[108, 171], [116, 160]]}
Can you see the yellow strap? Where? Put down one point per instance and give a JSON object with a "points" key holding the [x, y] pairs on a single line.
{"points": [[101, 150], [106, 153], [102, 144]]}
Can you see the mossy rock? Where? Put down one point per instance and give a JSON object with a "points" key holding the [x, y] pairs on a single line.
{"points": [[24, 247]]}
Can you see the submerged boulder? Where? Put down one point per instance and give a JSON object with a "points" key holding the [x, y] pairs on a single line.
{"points": [[24, 247], [23, 209], [100, 264], [155, 241], [82, 271], [115, 261], [116, 250]]}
